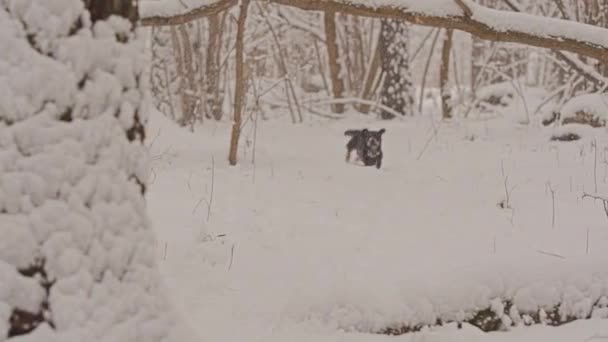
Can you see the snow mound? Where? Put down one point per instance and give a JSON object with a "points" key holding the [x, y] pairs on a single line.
{"points": [[515, 296], [589, 108], [498, 94], [77, 257]]}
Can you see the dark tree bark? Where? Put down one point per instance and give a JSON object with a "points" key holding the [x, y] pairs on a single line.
{"points": [[333, 54], [397, 88], [240, 83], [444, 73], [214, 96]]}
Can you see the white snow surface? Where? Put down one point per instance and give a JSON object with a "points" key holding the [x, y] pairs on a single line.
{"points": [[65, 192], [304, 247]]}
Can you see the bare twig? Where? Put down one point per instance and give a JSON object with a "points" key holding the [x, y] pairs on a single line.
{"points": [[587, 246], [154, 140], [422, 44], [188, 182], [212, 188], [231, 257], [594, 144], [597, 197], [553, 204], [551, 254], [467, 11], [209, 201], [506, 204], [428, 142]]}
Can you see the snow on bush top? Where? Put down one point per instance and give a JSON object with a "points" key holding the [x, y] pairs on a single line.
{"points": [[592, 104], [496, 90], [71, 215]]}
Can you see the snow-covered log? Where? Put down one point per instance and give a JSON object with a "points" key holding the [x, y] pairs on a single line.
{"points": [[464, 15]]}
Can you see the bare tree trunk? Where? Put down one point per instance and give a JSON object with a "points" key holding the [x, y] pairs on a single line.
{"points": [[478, 48], [181, 74], [214, 99], [189, 94], [370, 76], [337, 85], [397, 88], [444, 75], [240, 83], [359, 54]]}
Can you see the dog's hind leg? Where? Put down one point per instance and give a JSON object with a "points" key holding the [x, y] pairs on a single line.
{"points": [[348, 155]]}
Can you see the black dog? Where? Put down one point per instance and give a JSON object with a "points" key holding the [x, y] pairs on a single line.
{"points": [[368, 145]]}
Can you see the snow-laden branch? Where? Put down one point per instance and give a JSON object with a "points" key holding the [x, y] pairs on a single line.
{"points": [[486, 23], [176, 12]]}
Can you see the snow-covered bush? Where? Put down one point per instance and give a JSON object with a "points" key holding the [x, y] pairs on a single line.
{"points": [[76, 253], [589, 109], [495, 95]]}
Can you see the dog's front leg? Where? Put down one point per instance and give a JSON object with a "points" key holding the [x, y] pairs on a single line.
{"points": [[379, 162], [347, 155]]}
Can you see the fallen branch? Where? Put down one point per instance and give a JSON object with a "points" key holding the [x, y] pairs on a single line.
{"points": [[572, 61], [486, 23], [150, 16], [354, 100]]}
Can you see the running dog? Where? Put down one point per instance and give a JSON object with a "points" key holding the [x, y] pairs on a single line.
{"points": [[368, 145]]}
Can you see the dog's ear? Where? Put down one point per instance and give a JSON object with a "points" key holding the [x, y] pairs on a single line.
{"points": [[382, 131]]}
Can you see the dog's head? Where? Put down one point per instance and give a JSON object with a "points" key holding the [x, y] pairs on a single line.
{"points": [[373, 141]]}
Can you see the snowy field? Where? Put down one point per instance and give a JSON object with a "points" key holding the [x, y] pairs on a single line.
{"points": [[301, 246]]}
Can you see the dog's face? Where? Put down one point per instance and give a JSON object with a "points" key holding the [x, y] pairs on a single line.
{"points": [[373, 141]]}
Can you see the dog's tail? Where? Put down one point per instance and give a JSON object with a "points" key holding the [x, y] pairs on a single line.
{"points": [[352, 132]]}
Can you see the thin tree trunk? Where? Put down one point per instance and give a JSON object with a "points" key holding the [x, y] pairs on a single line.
{"points": [[397, 87], [370, 76], [337, 84], [190, 91], [240, 83], [214, 101], [444, 75]]}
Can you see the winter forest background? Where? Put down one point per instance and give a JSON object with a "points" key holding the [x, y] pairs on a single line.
{"points": [[173, 170]]}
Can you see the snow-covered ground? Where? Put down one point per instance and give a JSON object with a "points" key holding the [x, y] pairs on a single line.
{"points": [[300, 246]]}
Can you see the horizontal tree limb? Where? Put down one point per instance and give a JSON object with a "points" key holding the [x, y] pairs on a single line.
{"points": [[486, 23], [188, 16]]}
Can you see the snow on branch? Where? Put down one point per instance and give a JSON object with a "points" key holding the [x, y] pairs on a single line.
{"points": [[463, 15], [176, 12]]}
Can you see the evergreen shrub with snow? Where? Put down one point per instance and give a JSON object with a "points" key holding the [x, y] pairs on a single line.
{"points": [[77, 259]]}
